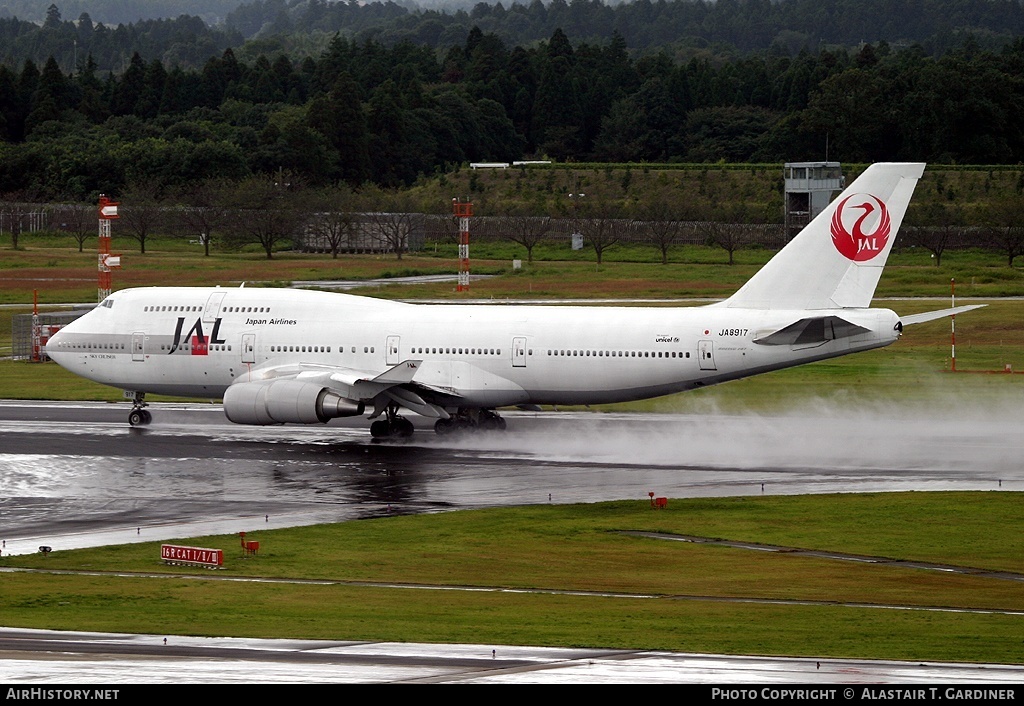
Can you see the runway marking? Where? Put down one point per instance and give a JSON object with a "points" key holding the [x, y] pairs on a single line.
{"points": [[530, 591]]}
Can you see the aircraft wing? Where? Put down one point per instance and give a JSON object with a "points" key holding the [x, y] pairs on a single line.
{"points": [[932, 315], [394, 384]]}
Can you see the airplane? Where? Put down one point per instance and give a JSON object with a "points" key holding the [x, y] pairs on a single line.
{"points": [[281, 356]]}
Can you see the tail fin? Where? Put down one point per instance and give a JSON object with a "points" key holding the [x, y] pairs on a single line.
{"points": [[836, 260]]}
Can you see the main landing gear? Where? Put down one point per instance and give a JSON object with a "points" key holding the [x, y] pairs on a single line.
{"points": [[465, 420], [470, 420], [139, 416], [393, 426]]}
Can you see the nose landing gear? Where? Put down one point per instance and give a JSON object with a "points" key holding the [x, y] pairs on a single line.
{"points": [[139, 416]]}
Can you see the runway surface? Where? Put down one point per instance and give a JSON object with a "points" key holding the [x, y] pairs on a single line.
{"points": [[110, 659], [75, 475]]}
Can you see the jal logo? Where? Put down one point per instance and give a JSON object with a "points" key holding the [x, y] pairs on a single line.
{"points": [[200, 344], [860, 227]]}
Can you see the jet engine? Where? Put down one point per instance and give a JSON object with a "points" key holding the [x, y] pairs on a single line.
{"points": [[284, 401]]}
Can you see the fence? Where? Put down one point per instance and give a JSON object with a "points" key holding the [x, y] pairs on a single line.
{"points": [[21, 330]]}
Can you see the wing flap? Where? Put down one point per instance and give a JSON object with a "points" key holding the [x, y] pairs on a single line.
{"points": [[410, 400]]}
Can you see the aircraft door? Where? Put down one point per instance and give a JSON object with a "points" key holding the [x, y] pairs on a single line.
{"points": [[138, 346], [706, 355], [212, 310], [248, 347], [394, 356], [519, 352]]}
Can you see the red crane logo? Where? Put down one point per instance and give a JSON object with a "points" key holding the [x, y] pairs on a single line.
{"points": [[870, 229]]}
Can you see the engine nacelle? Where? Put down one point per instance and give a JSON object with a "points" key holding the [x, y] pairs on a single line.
{"points": [[286, 401]]}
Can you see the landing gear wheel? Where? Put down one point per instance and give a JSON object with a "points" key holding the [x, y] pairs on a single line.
{"points": [[444, 426], [392, 426], [139, 416], [402, 427], [490, 421]]}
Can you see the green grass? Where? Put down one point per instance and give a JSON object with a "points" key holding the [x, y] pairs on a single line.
{"points": [[579, 548]]}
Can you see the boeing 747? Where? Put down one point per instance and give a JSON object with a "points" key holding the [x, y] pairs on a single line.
{"points": [[278, 356]]}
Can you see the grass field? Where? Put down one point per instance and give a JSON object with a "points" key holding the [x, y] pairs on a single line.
{"points": [[581, 548], [629, 592]]}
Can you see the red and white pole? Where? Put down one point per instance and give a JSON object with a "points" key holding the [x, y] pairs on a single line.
{"points": [[952, 325], [107, 262], [463, 211], [37, 330]]}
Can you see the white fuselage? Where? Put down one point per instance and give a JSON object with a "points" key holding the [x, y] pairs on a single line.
{"points": [[196, 342]]}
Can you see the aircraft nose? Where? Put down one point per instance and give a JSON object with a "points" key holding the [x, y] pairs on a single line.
{"points": [[53, 344]]}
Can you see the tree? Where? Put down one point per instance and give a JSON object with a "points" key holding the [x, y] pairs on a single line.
{"points": [[401, 143], [52, 17], [664, 227], [599, 221], [79, 221], [1006, 233], [16, 208], [204, 210], [728, 231], [266, 212], [142, 209], [47, 99], [526, 230], [934, 228], [854, 109], [130, 87], [333, 217], [338, 116], [289, 143], [557, 115], [395, 221], [10, 108]]}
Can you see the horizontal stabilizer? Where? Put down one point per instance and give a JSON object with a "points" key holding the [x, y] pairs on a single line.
{"points": [[932, 315], [810, 331]]}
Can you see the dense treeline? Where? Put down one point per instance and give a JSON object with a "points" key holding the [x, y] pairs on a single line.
{"points": [[747, 25], [187, 33], [185, 41], [367, 112], [114, 12]]}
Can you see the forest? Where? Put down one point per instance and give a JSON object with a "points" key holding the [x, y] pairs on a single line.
{"points": [[363, 110], [679, 25]]}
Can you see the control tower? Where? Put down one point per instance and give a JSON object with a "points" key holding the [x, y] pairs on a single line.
{"points": [[810, 187]]}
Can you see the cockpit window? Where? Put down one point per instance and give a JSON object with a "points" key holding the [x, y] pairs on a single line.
{"points": [[108, 303]]}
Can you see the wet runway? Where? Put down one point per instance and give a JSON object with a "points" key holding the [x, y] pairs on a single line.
{"points": [[72, 470], [111, 659], [75, 475]]}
